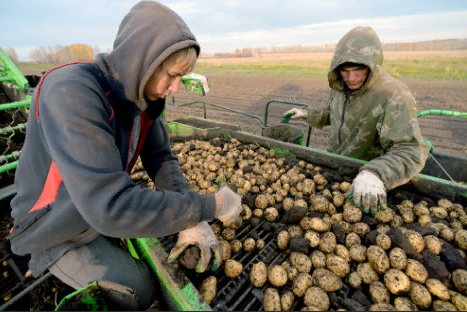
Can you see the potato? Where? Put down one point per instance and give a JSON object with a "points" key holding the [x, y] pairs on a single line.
{"points": [[398, 258], [424, 220], [258, 275], [338, 199], [420, 295], [291, 273], [326, 280], [459, 278], [246, 213], [283, 240], [226, 250], [328, 242], [384, 228], [316, 224], [288, 203], [459, 301], [249, 244], [461, 239], [237, 224], [404, 304], [367, 273], [352, 239], [287, 301], [236, 245], [383, 241], [355, 280], [351, 213], [258, 213], [338, 266], [216, 228], [379, 293], [313, 237], [397, 222], [271, 214], [378, 259], [295, 230], [271, 300], [416, 271], [433, 244], [277, 276], [301, 262], [416, 240], [358, 253], [286, 264], [440, 305], [261, 201], [439, 212], [318, 259], [301, 203], [208, 289], [397, 282], [320, 203], [233, 268], [336, 218], [382, 307], [437, 288], [343, 252], [360, 228], [385, 216], [228, 234], [260, 244], [301, 283], [316, 297]]}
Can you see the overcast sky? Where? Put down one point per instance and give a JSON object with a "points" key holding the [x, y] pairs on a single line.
{"points": [[224, 25]]}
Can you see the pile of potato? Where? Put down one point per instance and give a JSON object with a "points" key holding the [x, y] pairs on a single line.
{"points": [[392, 260]]}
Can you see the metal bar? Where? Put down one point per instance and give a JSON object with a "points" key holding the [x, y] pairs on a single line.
{"points": [[12, 70], [23, 103], [281, 102], [13, 129], [16, 269], [6, 78], [442, 113], [8, 167], [441, 167], [224, 108], [308, 136], [24, 292]]}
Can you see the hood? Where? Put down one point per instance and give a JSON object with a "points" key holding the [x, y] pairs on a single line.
{"points": [[360, 45], [147, 35]]}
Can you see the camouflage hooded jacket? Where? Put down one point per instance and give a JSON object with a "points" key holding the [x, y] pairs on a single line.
{"points": [[377, 122]]}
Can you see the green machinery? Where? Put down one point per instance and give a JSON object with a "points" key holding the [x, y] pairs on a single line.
{"points": [[179, 293]]}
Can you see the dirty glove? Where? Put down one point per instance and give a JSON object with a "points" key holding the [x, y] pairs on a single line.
{"points": [[203, 237], [231, 207], [368, 189], [295, 113]]}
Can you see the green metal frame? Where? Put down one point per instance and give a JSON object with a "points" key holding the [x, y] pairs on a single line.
{"points": [[11, 73], [441, 113]]}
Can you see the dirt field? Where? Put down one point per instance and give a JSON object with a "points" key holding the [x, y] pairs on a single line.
{"points": [[250, 94]]}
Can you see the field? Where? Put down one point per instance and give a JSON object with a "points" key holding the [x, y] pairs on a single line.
{"points": [[438, 80]]}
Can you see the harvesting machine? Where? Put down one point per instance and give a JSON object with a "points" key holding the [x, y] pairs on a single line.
{"points": [[179, 288]]}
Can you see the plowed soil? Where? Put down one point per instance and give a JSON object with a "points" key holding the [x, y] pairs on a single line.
{"points": [[250, 94]]}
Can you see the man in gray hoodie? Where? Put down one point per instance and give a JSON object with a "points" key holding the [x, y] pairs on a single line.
{"points": [[88, 124]]}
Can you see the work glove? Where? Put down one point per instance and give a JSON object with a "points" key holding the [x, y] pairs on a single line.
{"points": [[295, 113], [368, 190], [231, 208], [203, 237]]}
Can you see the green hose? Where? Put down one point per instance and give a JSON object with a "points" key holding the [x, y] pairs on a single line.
{"points": [[8, 167]]}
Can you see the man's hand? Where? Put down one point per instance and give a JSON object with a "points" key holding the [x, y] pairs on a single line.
{"points": [[203, 237], [368, 189], [295, 113], [231, 208]]}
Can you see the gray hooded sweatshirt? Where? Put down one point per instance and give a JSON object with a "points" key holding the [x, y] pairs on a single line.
{"points": [[88, 124]]}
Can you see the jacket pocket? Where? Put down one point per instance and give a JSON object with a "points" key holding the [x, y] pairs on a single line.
{"points": [[28, 220]]}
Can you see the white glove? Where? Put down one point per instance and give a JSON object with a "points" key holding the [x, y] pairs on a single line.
{"points": [[368, 189], [296, 113], [203, 237], [231, 207]]}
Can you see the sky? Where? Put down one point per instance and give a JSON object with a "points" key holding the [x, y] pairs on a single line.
{"points": [[224, 25]]}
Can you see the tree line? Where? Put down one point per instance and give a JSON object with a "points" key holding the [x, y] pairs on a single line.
{"points": [[432, 45]]}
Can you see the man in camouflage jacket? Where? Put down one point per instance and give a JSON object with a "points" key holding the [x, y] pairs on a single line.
{"points": [[372, 116]]}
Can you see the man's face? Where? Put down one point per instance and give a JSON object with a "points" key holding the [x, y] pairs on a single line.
{"points": [[165, 79], [355, 76]]}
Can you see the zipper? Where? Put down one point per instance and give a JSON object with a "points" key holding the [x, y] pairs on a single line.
{"points": [[347, 99]]}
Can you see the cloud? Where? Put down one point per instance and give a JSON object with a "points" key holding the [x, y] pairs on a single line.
{"points": [[390, 29]]}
